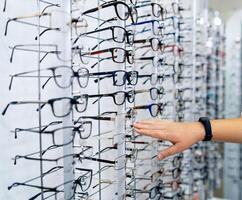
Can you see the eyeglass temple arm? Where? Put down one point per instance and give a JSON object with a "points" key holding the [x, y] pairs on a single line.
{"points": [[46, 30], [13, 50], [99, 96], [107, 21], [4, 5], [141, 107], [23, 73], [46, 53], [17, 18], [48, 190], [101, 78], [99, 160], [98, 62], [16, 130], [19, 102], [109, 39], [48, 6]]}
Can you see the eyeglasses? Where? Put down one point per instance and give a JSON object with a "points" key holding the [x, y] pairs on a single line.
{"points": [[155, 93], [86, 151], [175, 173], [84, 131], [154, 78], [55, 24], [120, 8], [118, 97], [157, 9], [119, 55], [24, 47], [162, 188], [119, 34], [84, 181], [119, 77], [155, 43], [56, 105], [157, 28], [26, 183], [154, 109], [58, 73]]}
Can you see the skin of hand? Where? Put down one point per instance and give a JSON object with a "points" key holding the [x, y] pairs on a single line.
{"points": [[181, 134]]}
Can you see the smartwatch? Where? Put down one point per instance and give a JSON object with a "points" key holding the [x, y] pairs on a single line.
{"points": [[208, 129]]}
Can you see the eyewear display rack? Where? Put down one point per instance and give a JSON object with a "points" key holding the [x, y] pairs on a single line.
{"points": [[232, 152], [215, 93], [109, 64]]}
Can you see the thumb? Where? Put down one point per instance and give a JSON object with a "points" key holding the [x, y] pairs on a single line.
{"points": [[169, 151]]}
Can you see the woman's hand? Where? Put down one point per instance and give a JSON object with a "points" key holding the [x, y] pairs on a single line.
{"points": [[181, 135]]}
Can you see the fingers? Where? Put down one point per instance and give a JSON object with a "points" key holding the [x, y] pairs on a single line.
{"points": [[151, 124], [152, 121], [169, 151], [143, 126], [149, 132]]}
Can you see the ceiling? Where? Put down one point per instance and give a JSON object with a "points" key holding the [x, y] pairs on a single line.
{"points": [[225, 7]]}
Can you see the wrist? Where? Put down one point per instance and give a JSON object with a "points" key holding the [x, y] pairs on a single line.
{"points": [[199, 131]]}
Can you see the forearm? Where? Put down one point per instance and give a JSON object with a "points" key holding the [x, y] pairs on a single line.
{"points": [[227, 130]]}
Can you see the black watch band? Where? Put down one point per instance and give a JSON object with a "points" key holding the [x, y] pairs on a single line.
{"points": [[207, 126]]}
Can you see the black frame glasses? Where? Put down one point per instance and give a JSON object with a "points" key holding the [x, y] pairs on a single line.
{"points": [[54, 103], [155, 43], [119, 97], [118, 6], [154, 109], [120, 77], [117, 31]]}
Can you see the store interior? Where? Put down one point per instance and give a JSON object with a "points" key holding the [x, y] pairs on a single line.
{"points": [[76, 75]]}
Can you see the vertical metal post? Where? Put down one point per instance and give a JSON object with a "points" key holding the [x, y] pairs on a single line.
{"points": [[39, 106], [67, 121]]}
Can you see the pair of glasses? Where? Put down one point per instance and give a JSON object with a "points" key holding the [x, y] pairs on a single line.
{"points": [[154, 78], [35, 49], [119, 34], [175, 173], [120, 8], [155, 93], [162, 188], [118, 97], [62, 75], [154, 109], [56, 105], [120, 77], [84, 181], [178, 67], [55, 24], [119, 55], [26, 183], [83, 131], [85, 151], [157, 9], [155, 43], [157, 27]]}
